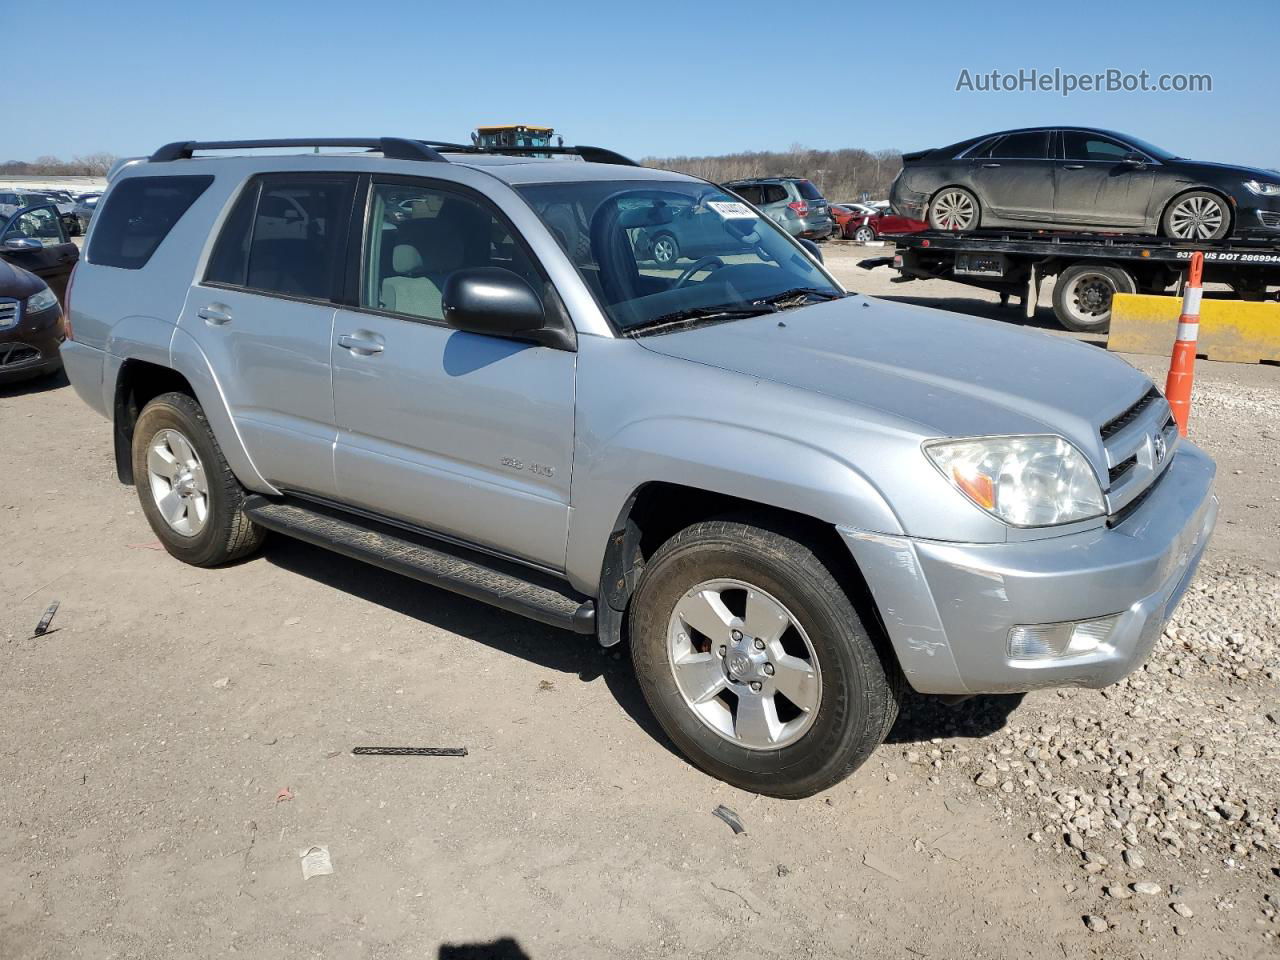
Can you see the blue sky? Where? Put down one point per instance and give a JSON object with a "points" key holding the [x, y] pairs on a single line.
{"points": [[643, 78]]}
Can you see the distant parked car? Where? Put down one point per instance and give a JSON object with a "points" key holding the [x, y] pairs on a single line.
{"points": [[1078, 177], [86, 203], [36, 239], [869, 227], [842, 213], [794, 204], [63, 203], [31, 325]]}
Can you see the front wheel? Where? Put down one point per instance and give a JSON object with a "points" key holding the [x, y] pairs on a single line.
{"points": [[188, 493], [864, 234], [1198, 215], [756, 663], [665, 250]]}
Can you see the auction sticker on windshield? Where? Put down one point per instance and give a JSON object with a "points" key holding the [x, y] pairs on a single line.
{"points": [[732, 210]]}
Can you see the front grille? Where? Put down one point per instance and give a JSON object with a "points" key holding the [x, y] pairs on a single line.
{"points": [[1115, 425], [12, 354], [1121, 468], [8, 313]]}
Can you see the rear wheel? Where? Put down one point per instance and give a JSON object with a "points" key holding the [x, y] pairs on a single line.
{"points": [[1198, 215], [954, 208], [756, 663], [189, 495], [1082, 296]]}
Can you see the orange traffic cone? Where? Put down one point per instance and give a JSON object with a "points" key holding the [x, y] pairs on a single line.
{"points": [[1182, 365]]}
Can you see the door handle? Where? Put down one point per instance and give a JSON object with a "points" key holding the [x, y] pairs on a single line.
{"points": [[991, 166], [1073, 166], [215, 314], [365, 346]]}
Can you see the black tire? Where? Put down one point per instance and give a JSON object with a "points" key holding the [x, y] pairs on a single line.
{"points": [[859, 695], [1082, 296], [954, 209], [665, 250], [1196, 215], [227, 533], [864, 234]]}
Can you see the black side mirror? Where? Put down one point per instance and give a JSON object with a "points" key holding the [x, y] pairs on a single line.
{"points": [[813, 248], [1134, 160], [499, 303]]}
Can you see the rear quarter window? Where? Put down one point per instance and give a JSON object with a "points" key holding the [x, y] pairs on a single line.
{"points": [[136, 217], [808, 190]]}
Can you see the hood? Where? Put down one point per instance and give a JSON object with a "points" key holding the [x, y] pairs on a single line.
{"points": [[1207, 169], [942, 374], [16, 282]]}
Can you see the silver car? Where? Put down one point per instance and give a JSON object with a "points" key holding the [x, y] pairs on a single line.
{"points": [[790, 501], [793, 203]]}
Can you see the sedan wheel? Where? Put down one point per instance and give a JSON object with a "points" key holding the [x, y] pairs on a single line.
{"points": [[864, 234], [954, 209], [1197, 216], [665, 251]]}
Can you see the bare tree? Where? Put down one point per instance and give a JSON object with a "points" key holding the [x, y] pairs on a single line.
{"points": [[92, 165], [842, 174]]}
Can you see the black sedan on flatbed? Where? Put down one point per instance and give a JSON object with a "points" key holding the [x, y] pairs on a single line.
{"points": [[1079, 178]]}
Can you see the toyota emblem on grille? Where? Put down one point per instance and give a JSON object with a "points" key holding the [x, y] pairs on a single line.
{"points": [[1159, 447]]}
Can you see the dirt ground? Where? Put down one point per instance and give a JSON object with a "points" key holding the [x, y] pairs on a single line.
{"points": [[181, 735]]}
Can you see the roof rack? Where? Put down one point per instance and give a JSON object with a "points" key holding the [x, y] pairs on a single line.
{"points": [[393, 148]]}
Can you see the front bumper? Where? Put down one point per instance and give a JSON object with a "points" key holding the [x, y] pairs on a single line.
{"points": [[31, 347], [948, 607]]}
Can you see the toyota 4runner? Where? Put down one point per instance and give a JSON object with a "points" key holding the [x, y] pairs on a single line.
{"points": [[462, 364]]}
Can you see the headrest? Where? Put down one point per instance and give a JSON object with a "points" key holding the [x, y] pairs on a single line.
{"points": [[405, 259]]}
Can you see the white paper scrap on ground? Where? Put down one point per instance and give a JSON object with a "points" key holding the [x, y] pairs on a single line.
{"points": [[315, 862]]}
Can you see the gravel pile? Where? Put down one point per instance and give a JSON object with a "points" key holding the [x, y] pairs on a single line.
{"points": [[1175, 772]]}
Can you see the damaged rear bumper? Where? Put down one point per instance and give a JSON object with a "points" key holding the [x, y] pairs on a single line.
{"points": [[948, 607]]}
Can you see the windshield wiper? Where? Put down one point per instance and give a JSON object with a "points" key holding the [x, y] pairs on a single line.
{"points": [[695, 315], [800, 295]]}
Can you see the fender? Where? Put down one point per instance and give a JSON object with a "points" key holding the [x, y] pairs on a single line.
{"points": [[760, 467], [186, 357]]}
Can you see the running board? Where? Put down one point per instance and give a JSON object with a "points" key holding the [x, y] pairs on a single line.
{"points": [[478, 576]]}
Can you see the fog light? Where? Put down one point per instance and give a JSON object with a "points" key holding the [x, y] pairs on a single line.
{"points": [[1047, 641]]}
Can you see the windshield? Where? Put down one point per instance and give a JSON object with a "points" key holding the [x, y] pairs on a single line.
{"points": [[654, 251]]}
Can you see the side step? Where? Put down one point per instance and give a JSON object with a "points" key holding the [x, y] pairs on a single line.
{"points": [[478, 576]]}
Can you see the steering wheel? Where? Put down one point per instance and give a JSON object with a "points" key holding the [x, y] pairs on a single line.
{"points": [[713, 263]]}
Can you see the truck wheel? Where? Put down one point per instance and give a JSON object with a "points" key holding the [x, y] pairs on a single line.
{"points": [[954, 208], [665, 250], [756, 663], [1082, 296], [1198, 215], [189, 495], [864, 234]]}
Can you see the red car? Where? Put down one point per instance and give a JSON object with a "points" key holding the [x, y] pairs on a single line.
{"points": [[865, 228], [842, 213]]}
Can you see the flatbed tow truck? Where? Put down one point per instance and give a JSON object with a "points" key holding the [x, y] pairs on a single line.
{"points": [[1090, 268]]}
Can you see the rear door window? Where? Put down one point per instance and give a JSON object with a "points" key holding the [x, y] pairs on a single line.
{"points": [[138, 215], [1023, 146], [774, 193], [750, 192], [287, 235]]}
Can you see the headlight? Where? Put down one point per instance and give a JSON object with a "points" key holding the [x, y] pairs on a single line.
{"points": [[42, 300], [1034, 481], [1262, 188]]}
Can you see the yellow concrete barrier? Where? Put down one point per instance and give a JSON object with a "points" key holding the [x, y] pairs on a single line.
{"points": [[1233, 330]]}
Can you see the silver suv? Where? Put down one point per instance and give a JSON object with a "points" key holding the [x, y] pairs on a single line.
{"points": [[794, 204], [789, 500]]}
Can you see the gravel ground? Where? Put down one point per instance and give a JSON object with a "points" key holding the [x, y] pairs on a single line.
{"points": [[181, 736]]}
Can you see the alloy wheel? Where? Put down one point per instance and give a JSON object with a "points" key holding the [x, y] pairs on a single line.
{"points": [[178, 483], [954, 210], [1196, 218], [744, 664]]}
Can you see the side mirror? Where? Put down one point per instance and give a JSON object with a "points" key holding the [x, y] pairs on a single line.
{"points": [[1134, 160], [23, 243], [498, 303], [813, 248]]}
